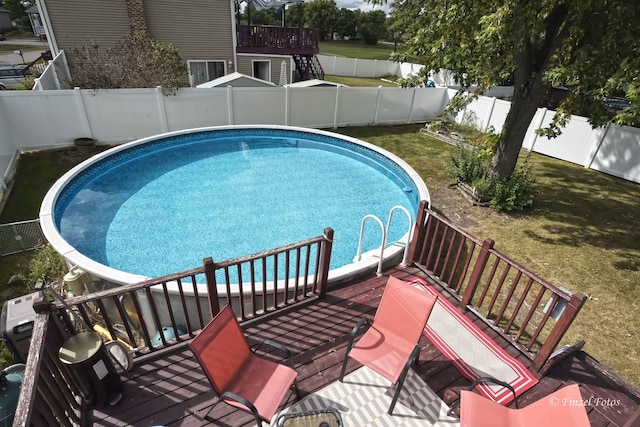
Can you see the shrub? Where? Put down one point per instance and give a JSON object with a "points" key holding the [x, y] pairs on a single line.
{"points": [[134, 62], [467, 165], [515, 193], [47, 265], [482, 187]]}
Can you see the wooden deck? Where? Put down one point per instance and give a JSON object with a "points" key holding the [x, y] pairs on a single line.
{"points": [[170, 389]]}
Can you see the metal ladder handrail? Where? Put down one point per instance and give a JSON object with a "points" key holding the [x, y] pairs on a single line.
{"points": [[385, 233], [406, 246], [382, 244]]}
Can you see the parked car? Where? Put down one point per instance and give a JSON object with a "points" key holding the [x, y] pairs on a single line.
{"points": [[11, 77]]}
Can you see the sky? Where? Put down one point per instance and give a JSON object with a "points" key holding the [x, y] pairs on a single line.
{"points": [[360, 4]]}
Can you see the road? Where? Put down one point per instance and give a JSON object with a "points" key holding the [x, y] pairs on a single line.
{"points": [[31, 51]]}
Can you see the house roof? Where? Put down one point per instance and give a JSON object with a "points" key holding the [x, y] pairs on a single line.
{"points": [[237, 80], [314, 83]]}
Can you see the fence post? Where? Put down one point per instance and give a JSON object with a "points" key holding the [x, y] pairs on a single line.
{"points": [[413, 100], [418, 231], [84, 118], [325, 260], [489, 114], [596, 147], [287, 101], [162, 111], [230, 117], [375, 117], [212, 286], [476, 274], [336, 109], [562, 325], [538, 126]]}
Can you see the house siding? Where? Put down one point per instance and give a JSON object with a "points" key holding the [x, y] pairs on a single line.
{"points": [[75, 22], [200, 30], [245, 65]]}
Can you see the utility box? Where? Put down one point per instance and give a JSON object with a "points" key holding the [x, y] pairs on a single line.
{"points": [[16, 323]]}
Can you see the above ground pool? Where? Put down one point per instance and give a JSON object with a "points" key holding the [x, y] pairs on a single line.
{"points": [[160, 205]]}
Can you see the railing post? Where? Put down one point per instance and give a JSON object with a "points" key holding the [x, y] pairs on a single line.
{"points": [[212, 286], [476, 274], [325, 260], [562, 325], [418, 231]]}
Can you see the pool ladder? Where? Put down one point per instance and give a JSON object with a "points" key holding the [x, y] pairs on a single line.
{"points": [[385, 232]]}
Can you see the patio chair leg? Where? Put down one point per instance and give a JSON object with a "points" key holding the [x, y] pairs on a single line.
{"points": [[296, 389], [344, 367], [403, 376]]}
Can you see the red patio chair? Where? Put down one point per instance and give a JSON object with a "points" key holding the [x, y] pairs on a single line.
{"points": [[240, 377], [390, 345], [563, 408]]}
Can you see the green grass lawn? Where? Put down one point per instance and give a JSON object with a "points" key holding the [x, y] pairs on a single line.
{"points": [[356, 49], [581, 234], [360, 81]]}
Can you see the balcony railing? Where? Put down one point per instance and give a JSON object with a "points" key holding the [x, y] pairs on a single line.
{"points": [[277, 40], [526, 309], [531, 312], [139, 315]]}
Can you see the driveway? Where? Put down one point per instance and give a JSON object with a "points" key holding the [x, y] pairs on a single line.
{"points": [[30, 51]]}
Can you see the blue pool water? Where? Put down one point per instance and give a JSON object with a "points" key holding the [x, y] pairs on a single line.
{"points": [[163, 206]]}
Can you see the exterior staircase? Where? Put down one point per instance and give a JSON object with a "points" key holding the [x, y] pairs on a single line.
{"points": [[308, 67]]}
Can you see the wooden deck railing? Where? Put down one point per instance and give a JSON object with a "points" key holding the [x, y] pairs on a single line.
{"points": [[156, 314], [268, 39], [520, 305]]}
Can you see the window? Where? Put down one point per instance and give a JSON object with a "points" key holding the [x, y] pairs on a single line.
{"points": [[262, 70], [205, 71]]}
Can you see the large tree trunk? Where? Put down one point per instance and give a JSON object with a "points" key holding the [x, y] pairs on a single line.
{"points": [[528, 92]]}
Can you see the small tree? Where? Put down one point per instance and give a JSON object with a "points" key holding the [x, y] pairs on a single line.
{"points": [[135, 62], [589, 47], [321, 14], [372, 26]]}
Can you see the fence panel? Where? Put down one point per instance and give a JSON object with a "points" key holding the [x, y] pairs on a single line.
{"points": [[394, 105], [196, 108], [619, 153], [40, 119], [428, 103], [317, 114], [121, 115], [573, 145], [253, 105], [20, 236], [357, 106]]}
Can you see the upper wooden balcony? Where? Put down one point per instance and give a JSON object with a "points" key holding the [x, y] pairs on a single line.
{"points": [[277, 40], [167, 387]]}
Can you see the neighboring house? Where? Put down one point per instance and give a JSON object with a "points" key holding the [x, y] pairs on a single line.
{"points": [[206, 34], [36, 23], [5, 19]]}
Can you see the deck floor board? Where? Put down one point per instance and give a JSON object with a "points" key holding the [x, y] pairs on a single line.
{"points": [[171, 390]]}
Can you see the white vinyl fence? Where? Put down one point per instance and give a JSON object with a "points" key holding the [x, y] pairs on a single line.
{"points": [[614, 150], [54, 118], [42, 119]]}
